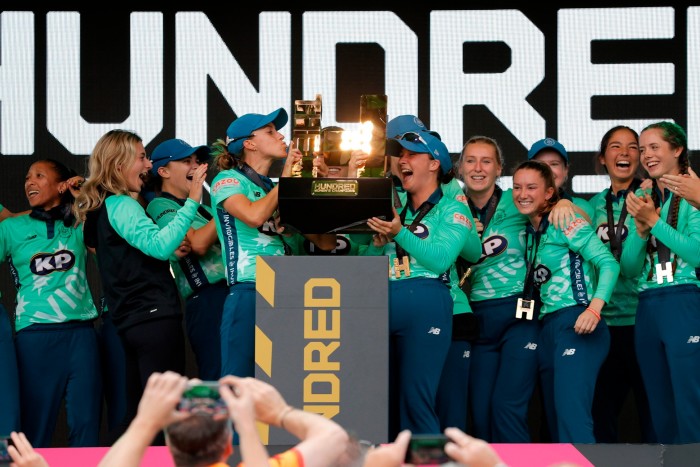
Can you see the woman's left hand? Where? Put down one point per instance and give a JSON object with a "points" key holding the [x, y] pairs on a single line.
{"points": [[388, 228], [586, 323]]}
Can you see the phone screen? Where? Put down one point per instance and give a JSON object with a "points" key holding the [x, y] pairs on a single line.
{"points": [[427, 450], [5, 458], [203, 396]]}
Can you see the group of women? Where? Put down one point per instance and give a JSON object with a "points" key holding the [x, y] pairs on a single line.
{"points": [[491, 290], [603, 283]]}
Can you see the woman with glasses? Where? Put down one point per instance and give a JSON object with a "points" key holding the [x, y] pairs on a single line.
{"points": [[576, 275], [662, 252], [422, 242], [245, 202]]}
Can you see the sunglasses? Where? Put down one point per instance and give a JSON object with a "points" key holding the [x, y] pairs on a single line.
{"points": [[413, 137]]}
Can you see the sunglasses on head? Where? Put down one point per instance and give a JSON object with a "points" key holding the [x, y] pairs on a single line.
{"points": [[412, 137]]}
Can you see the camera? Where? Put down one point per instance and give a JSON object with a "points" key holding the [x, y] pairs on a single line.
{"points": [[5, 442], [203, 396], [427, 450]]}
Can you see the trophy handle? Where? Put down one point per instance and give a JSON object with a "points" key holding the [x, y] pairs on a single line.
{"points": [[373, 108], [306, 134]]}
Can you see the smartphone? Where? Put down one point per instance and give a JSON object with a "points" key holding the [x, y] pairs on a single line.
{"points": [[5, 442], [427, 450], [203, 396]]}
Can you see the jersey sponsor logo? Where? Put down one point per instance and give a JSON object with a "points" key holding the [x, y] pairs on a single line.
{"points": [[530, 346], [466, 354], [223, 182], [268, 228], [421, 231], [462, 199], [43, 264], [604, 232], [574, 227], [568, 352], [461, 219], [541, 274], [693, 339], [493, 246], [342, 247], [434, 331]]}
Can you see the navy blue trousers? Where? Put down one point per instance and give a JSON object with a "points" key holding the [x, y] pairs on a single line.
{"points": [[203, 312], [619, 376], [504, 369], [453, 390], [238, 331], [9, 378], [420, 328], [56, 362], [569, 365], [113, 376], [667, 341]]}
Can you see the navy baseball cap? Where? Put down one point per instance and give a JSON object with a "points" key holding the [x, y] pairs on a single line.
{"points": [[397, 126], [421, 142], [175, 150], [548, 143], [242, 127]]}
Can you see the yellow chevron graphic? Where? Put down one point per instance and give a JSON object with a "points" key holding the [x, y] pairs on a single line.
{"points": [[263, 432], [263, 351], [265, 281]]}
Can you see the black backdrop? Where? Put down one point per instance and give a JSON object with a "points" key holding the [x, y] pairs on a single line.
{"points": [[105, 65]]}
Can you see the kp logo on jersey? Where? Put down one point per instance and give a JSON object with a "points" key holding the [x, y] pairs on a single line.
{"points": [[493, 246], [43, 264], [604, 233]]}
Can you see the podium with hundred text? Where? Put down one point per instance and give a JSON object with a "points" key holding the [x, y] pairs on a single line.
{"points": [[322, 339]]}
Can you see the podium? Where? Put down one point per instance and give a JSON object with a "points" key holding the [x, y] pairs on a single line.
{"points": [[322, 339]]}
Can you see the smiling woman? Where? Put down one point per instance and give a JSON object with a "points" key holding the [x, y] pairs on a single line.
{"points": [[564, 265], [200, 273], [132, 254], [55, 341]]}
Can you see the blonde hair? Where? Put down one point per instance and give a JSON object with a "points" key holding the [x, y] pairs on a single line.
{"points": [[114, 152]]}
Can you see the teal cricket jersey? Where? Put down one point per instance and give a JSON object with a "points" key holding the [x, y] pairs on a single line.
{"points": [[501, 270], [240, 243], [622, 307], [683, 241], [49, 263], [470, 252], [436, 242], [191, 272], [564, 265]]}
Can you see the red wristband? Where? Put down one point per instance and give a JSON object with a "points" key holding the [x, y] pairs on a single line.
{"points": [[595, 313]]}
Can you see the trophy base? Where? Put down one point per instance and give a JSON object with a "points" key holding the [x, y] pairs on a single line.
{"points": [[341, 205]]}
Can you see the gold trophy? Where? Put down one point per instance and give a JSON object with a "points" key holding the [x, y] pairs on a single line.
{"points": [[373, 110], [306, 134]]}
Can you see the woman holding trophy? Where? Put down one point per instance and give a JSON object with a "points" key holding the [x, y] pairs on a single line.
{"points": [[245, 202], [422, 242]]}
